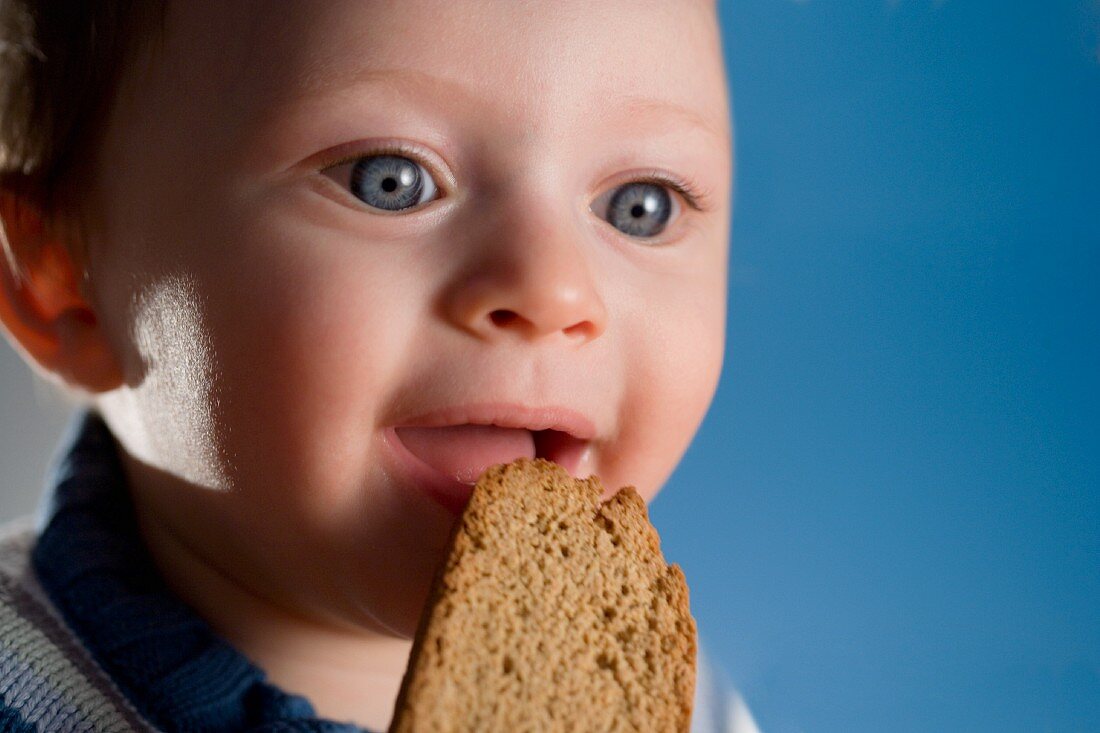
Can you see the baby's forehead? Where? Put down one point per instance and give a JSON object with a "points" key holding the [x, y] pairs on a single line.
{"points": [[539, 66]]}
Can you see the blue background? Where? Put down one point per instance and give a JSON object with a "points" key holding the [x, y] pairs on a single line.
{"points": [[890, 519]]}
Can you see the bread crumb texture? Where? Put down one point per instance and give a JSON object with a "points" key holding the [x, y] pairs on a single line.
{"points": [[553, 612]]}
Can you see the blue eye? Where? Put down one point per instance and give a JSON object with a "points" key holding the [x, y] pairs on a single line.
{"points": [[639, 209], [388, 182]]}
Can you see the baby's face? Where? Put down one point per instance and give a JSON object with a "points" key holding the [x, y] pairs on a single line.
{"points": [[320, 226]]}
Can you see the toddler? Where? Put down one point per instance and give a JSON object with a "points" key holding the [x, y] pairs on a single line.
{"points": [[309, 267]]}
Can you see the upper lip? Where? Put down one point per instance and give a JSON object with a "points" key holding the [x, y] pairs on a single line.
{"points": [[508, 415]]}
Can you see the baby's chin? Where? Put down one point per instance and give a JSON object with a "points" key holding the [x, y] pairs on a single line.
{"points": [[388, 576], [397, 614]]}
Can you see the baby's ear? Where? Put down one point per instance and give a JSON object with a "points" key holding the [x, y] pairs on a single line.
{"points": [[42, 308]]}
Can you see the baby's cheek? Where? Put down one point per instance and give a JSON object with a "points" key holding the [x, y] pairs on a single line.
{"points": [[672, 367], [306, 362]]}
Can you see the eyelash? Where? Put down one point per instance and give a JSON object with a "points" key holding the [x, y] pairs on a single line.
{"points": [[392, 149], [695, 196]]}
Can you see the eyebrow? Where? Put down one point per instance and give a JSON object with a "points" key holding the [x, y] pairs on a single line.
{"points": [[631, 105], [635, 104]]}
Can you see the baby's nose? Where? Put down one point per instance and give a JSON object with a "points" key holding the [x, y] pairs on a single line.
{"points": [[531, 279]]}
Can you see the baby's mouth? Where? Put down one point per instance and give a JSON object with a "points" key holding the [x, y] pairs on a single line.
{"points": [[463, 452]]}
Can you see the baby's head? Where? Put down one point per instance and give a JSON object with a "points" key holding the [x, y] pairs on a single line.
{"points": [[282, 246]]}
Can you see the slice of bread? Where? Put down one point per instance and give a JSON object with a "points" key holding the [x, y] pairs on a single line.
{"points": [[552, 612]]}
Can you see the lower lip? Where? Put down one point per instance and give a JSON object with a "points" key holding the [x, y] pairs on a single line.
{"points": [[451, 494]]}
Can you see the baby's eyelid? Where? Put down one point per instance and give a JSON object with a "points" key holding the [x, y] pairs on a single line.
{"points": [[689, 194], [678, 195], [354, 152], [683, 193]]}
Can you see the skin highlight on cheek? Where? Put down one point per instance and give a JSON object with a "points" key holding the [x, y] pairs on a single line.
{"points": [[170, 413]]}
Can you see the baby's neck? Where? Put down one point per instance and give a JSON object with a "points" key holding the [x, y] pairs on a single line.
{"points": [[348, 677], [348, 674]]}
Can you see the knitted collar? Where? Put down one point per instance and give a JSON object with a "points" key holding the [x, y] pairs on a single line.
{"points": [[94, 566]]}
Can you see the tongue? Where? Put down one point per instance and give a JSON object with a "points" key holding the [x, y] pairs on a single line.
{"points": [[464, 451]]}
